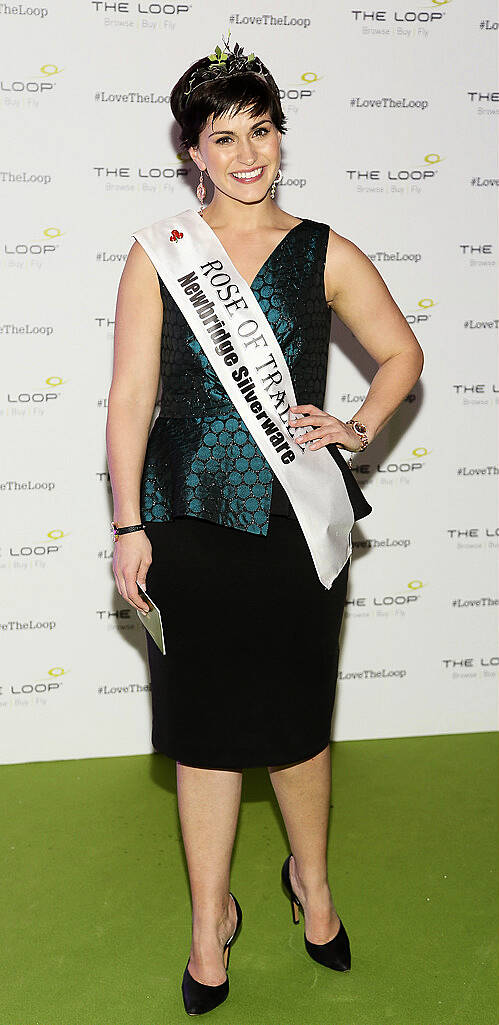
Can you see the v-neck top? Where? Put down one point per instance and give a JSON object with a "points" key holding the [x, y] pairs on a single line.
{"points": [[271, 256], [201, 460]]}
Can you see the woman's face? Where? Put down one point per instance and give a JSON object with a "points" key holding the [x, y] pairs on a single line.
{"points": [[233, 146]]}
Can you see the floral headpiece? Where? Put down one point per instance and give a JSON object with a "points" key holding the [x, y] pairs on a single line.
{"points": [[227, 62]]}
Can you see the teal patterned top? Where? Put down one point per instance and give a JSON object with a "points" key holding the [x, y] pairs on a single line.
{"points": [[201, 460]]}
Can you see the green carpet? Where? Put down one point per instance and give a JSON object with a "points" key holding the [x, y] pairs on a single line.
{"points": [[96, 907]]}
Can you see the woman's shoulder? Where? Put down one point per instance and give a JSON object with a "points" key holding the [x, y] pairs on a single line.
{"points": [[327, 229], [319, 231], [339, 247]]}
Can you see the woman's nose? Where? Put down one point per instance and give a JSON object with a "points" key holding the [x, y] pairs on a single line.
{"points": [[246, 152]]}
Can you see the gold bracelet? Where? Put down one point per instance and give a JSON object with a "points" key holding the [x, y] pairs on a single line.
{"points": [[361, 430]]}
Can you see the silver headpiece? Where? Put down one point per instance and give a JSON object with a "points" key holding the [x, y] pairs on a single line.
{"points": [[223, 63]]}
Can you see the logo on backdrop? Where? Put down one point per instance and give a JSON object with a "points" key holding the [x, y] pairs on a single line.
{"points": [[372, 674], [480, 394], [109, 688], [20, 10], [270, 20], [33, 253], [422, 313], [24, 178], [26, 329], [477, 471], [105, 325], [478, 254], [484, 183], [297, 96], [142, 179], [394, 473], [102, 256], [35, 691], [131, 97], [36, 553], [380, 604], [381, 256], [474, 603], [409, 23], [481, 325], [142, 15], [33, 403], [396, 180], [295, 183], [471, 666], [387, 103], [16, 625], [351, 397], [487, 98], [382, 542], [27, 485], [27, 91], [120, 620]]}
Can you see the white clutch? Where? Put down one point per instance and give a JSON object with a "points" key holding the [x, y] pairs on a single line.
{"points": [[152, 620]]}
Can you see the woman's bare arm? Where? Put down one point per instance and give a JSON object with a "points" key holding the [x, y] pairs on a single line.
{"points": [[134, 386], [358, 295]]}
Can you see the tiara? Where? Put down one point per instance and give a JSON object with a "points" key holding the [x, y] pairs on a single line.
{"points": [[224, 63]]}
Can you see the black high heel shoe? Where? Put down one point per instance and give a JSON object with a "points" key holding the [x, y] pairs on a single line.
{"points": [[333, 954], [199, 997]]}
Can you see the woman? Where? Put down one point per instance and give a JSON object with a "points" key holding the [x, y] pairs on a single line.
{"points": [[251, 621]]}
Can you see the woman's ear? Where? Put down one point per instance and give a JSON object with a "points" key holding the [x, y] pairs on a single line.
{"points": [[196, 157]]}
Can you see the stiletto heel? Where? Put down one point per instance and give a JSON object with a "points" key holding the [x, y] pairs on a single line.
{"points": [[200, 997], [333, 954], [295, 914]]}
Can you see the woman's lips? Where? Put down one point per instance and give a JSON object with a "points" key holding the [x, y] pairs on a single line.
{"points": [[248, 181]]}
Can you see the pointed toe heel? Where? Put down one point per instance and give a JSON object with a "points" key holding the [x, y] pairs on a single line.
{"points": [[333, 954], [198, 997]]}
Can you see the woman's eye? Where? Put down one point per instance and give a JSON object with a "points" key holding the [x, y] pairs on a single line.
{"points": [[227, 138]]}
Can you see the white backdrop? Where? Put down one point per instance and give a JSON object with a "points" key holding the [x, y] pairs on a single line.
{"points": [[392, 141]]}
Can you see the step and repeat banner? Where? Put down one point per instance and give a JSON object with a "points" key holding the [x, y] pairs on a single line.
{"points": [[392, 140]]}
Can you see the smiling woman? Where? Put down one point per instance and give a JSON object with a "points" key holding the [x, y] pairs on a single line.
{"points": [[249, 120], [245, 502]]}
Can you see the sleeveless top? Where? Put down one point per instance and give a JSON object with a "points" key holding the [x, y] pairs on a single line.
{"points": [[201, 460]]}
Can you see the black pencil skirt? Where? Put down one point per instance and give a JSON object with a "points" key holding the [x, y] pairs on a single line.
{"points": [[252, 644]]}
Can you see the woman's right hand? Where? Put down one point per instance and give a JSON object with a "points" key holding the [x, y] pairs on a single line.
{"points": [[131, 560]]}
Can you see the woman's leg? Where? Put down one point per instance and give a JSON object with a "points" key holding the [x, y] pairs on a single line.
{"points": [[208, 803], [303, 790]]}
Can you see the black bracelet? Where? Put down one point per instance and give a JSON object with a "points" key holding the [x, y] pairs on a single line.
{"points": [[116, 531]]}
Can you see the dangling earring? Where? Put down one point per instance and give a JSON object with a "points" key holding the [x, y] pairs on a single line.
{"points": [[276, 181], [201, 192]]}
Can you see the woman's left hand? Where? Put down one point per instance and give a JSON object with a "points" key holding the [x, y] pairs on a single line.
{"points": [[329, 430]]}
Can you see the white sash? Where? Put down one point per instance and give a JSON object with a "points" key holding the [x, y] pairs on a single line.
{"points": [[235, 335]]}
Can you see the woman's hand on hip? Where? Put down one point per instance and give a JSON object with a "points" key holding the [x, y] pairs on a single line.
{"points": [[131, 560], [328, 429]]}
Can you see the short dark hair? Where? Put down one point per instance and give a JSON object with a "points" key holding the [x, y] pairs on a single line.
{"points": [[235, 92]]}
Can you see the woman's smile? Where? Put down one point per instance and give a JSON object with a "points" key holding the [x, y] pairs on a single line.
{"points": [[248, 176]]}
